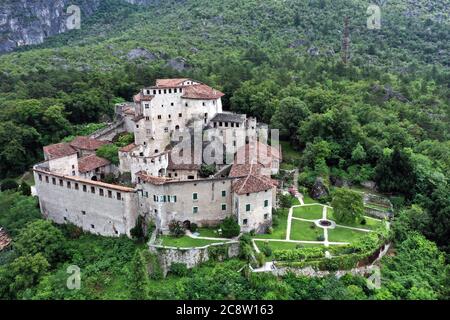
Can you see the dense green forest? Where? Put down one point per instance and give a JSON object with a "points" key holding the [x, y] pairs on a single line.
{"points": [[384, 116]]}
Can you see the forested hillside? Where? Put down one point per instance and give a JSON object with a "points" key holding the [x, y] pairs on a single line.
{"points": [[383, 116]]}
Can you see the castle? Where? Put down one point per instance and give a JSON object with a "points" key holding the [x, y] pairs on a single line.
{"points": [[179, 128]]}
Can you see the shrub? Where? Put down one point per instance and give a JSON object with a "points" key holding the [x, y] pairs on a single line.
{"points": [[109, 152], [245, 238], [176, 228], [285, 200], [299, 254], [261, 259], [269, 230], [9, 184], [320, 237], [363, 221], [193, 227], [207, 170], [25, 189], [139, 232], [252, 232], [230, 228], [266, 250], [275, 220], [179, 269]]}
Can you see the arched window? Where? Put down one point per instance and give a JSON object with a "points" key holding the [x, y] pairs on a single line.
{"points": [[177, 127]]}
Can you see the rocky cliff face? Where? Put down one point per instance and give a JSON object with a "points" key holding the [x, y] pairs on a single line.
{"points": [[25, 22]]}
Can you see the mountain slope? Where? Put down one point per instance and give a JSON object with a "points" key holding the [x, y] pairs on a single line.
{"points": [[189, 28]]}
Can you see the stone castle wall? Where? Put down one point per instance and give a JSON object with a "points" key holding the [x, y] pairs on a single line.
{"points": [[95, 207]]}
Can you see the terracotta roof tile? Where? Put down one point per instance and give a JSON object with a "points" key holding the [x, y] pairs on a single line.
{"points": [[87, 181], [170, 82], [201, 91], [252, 184], [242, 170], [141, 97], [91, 162], [128, 148], [152, 179], [86, 143], [58, 150]]}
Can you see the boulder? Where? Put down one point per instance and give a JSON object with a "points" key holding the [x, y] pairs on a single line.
{"points": [[141, 53], [319, 189]]}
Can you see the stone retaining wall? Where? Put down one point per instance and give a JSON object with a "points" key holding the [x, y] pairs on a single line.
{"points": [[191, 256]]}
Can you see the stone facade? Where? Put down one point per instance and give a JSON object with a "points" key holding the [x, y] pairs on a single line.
{"points": [[162, 188]]}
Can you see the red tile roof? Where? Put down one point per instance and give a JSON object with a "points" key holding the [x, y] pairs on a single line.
{"points": [[86, 143], [252, 184], [242, 170], [86, 181], [152, 179], [141, 97], [58, 150], [170, 83], [128, 148], [201, 91], [91, 162], [128, 110], [5, 240]]}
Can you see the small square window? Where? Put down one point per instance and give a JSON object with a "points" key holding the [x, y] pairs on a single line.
{"points": [[159, 116], [245, 221], [247, 207], [266, 203], [119, 196], [266, 216], [46, 178], [194, 209], [224, 207], [77, 186], [84, 188], [83, 213], [60, 182], [195, 196], [68, 185], [53, 180], [102, 193], [224, 193], [172, 104], [92, 226], [180, 115], [92, 189]]}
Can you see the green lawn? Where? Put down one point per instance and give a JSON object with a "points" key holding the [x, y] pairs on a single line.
{"points": [[301, 230], [278, 245], [308, 212], [339, 234], [185, 242], [208, 232], [279, 232], [307, 199], [370, 223]]}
